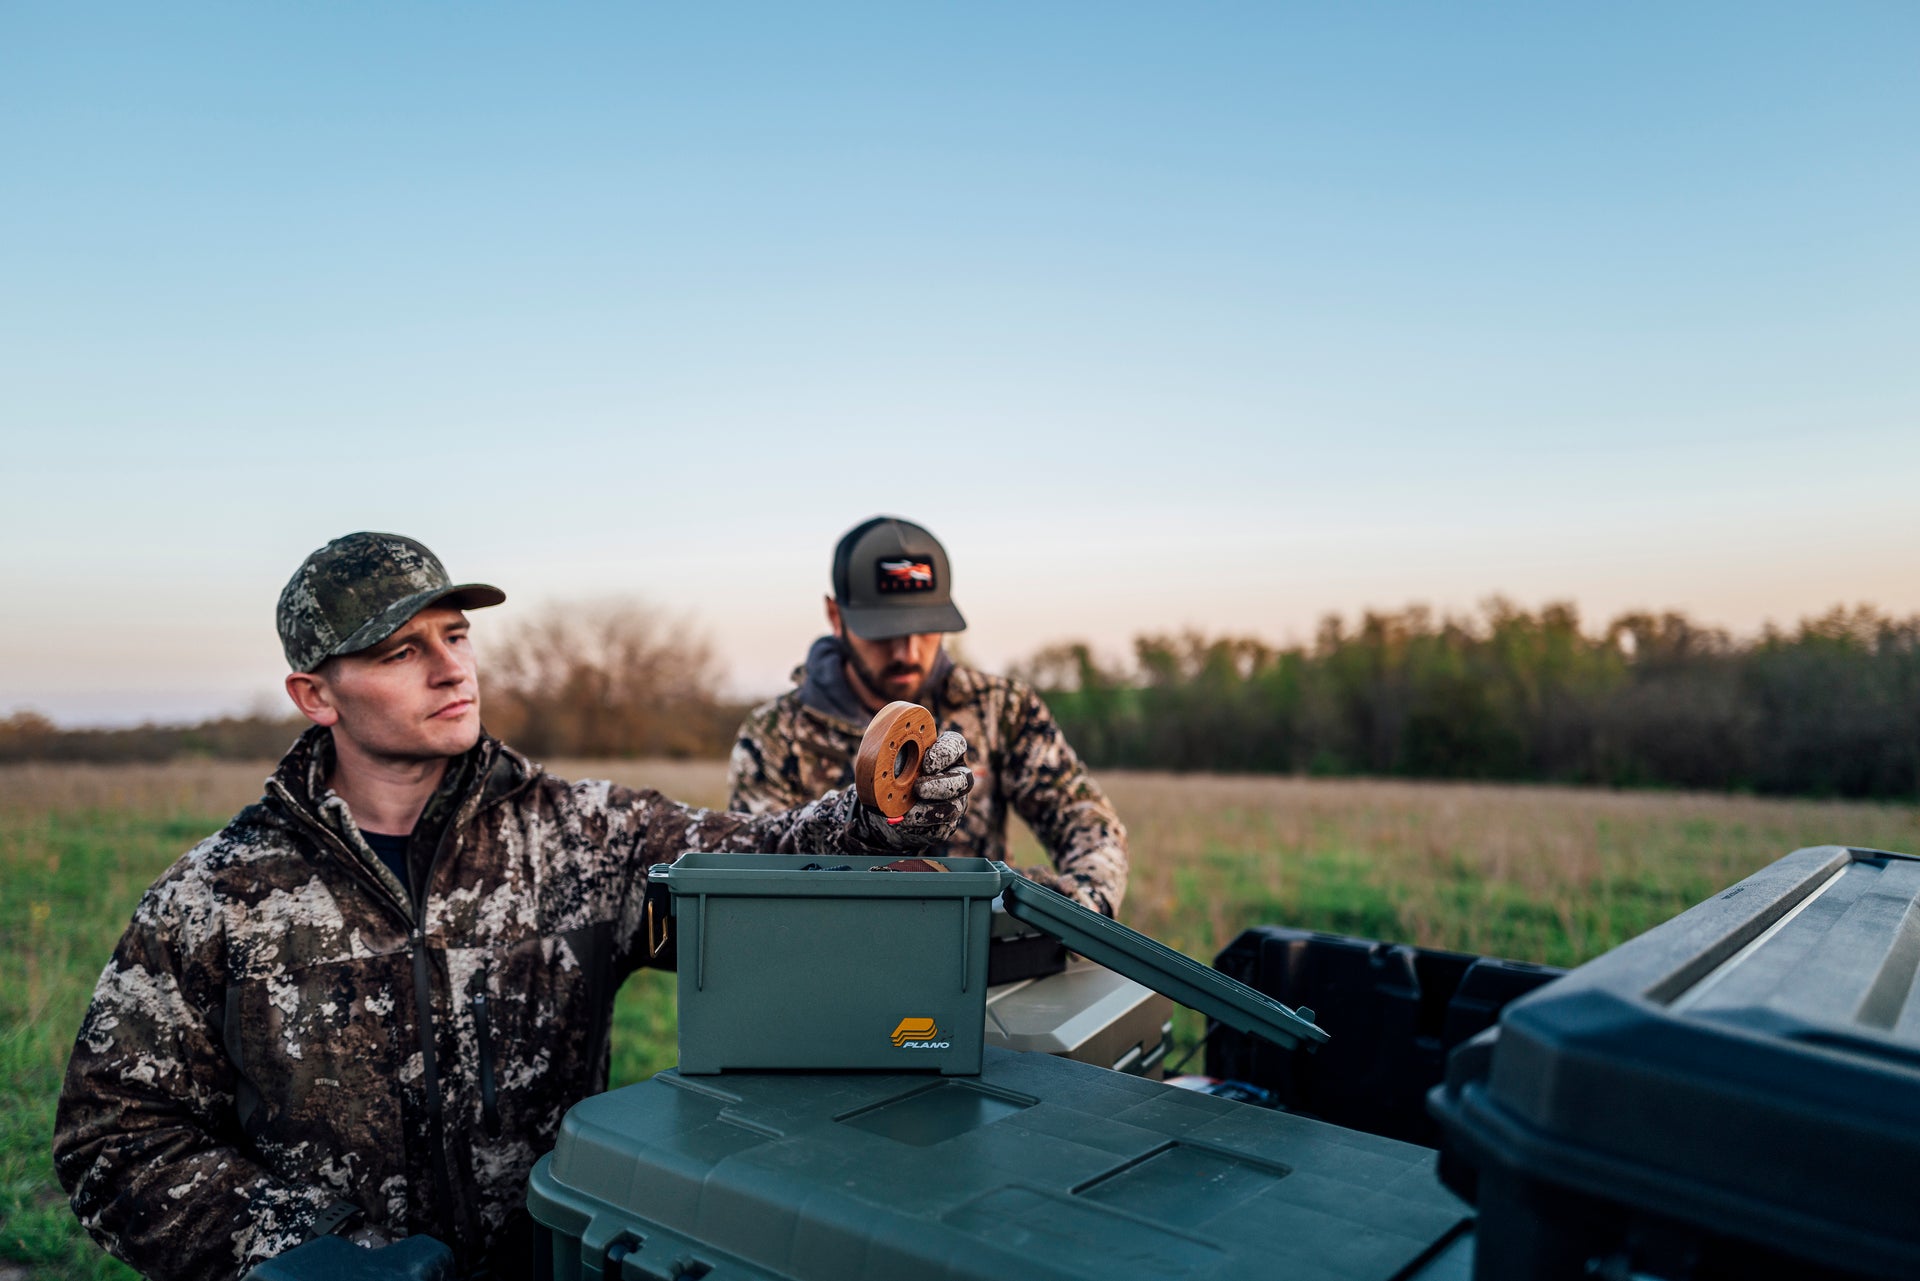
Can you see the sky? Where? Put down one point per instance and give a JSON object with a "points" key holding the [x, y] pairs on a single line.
{"points": [[1222, 317]]}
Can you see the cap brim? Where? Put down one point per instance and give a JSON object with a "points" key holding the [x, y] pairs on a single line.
{"points": [[885, 622], [395, 616], [468, 596]]}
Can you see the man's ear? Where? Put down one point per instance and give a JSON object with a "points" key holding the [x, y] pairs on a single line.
{"points": [[310, 694], [833, 618]]}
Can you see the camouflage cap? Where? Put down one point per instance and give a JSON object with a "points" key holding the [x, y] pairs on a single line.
{"points": [[890, 578], [358, 590]]}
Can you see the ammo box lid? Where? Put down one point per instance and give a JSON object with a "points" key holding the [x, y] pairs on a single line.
{"points": [[794, 876], [1038, 1168], [1750, 1068], [1226, 1001]]}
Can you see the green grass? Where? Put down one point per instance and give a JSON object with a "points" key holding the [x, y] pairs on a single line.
{"points": [[643, 1027], [1543, 874], [68, 883]]}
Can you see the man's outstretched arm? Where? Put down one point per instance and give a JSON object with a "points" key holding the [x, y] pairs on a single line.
{"points": [[146, 1138], [835, 823], [1050, 788]]}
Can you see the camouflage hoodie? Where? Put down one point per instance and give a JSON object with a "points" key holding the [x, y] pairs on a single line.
{"points": [[282, 1027], [803, 743]]}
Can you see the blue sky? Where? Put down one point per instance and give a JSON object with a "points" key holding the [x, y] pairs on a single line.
{"points": [[1217, 316]]}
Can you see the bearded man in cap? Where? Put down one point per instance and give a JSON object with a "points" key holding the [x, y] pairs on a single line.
{"points": [[358, 1012], [891, 607]]}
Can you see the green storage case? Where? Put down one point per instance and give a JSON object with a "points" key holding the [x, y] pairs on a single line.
{"points": [[1040, 1168]]}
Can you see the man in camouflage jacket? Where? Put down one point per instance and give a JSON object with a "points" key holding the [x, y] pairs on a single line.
{"points": [[295, 1036], [891, 605]]}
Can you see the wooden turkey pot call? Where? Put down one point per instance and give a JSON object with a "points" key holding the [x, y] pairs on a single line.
{"points": [[889, 758]]}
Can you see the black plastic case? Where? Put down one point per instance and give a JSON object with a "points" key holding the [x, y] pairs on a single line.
{"points": [[1393, 1011], [1735, 1093]]}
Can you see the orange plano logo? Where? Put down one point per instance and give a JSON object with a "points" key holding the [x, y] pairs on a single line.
{"points": [[920, 1030]]}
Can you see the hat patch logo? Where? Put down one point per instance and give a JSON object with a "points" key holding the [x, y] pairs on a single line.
{"points": [[903, 575]]}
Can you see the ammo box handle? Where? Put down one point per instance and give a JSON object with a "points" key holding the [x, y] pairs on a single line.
{"points": [[1181, 978]]}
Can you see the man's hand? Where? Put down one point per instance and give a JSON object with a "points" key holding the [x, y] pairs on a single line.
{"points": [[939, 801]]}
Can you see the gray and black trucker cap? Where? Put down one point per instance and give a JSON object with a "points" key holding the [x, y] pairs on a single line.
{"points": [[890, 579], [358, 590]]}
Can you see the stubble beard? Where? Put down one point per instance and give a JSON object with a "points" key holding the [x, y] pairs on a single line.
{"points": [[873, 681]]}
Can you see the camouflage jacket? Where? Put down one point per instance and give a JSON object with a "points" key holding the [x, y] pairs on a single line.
{"points": [[281, 1028], [802, 744]]}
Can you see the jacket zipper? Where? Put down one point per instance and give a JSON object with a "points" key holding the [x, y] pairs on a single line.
{"points": [[430, 1075], [423, 1006], [489, 1104], [413, 914], [422, 999]]}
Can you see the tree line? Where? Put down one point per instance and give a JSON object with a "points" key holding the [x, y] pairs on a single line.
{"points": [[1830, 707], [609, 680], [29, 736]]}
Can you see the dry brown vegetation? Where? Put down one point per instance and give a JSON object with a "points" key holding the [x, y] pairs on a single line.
{"points": [[1537, 873], [175, 787], [1554, 874], [611, 680], [1540, 873]]}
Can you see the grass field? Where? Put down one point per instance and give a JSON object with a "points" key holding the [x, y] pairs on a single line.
{"points": [[1542, 874]]}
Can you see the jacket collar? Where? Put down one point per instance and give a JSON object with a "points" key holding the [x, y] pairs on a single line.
{"points": [[824, 687], [488, 772]]}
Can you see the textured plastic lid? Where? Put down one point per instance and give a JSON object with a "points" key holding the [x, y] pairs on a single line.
{"points": [[1040, 1169], [1751, 1067], [1226, 1001]]}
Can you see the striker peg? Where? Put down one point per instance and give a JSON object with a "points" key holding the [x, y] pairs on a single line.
{"points": [[888, 761]]}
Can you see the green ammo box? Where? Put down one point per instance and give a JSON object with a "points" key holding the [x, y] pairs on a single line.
{"points": [[836, 967], [824, 964]]}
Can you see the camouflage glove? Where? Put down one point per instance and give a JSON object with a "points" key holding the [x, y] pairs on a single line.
{"points": [[331, 1258], [940, 799]]}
